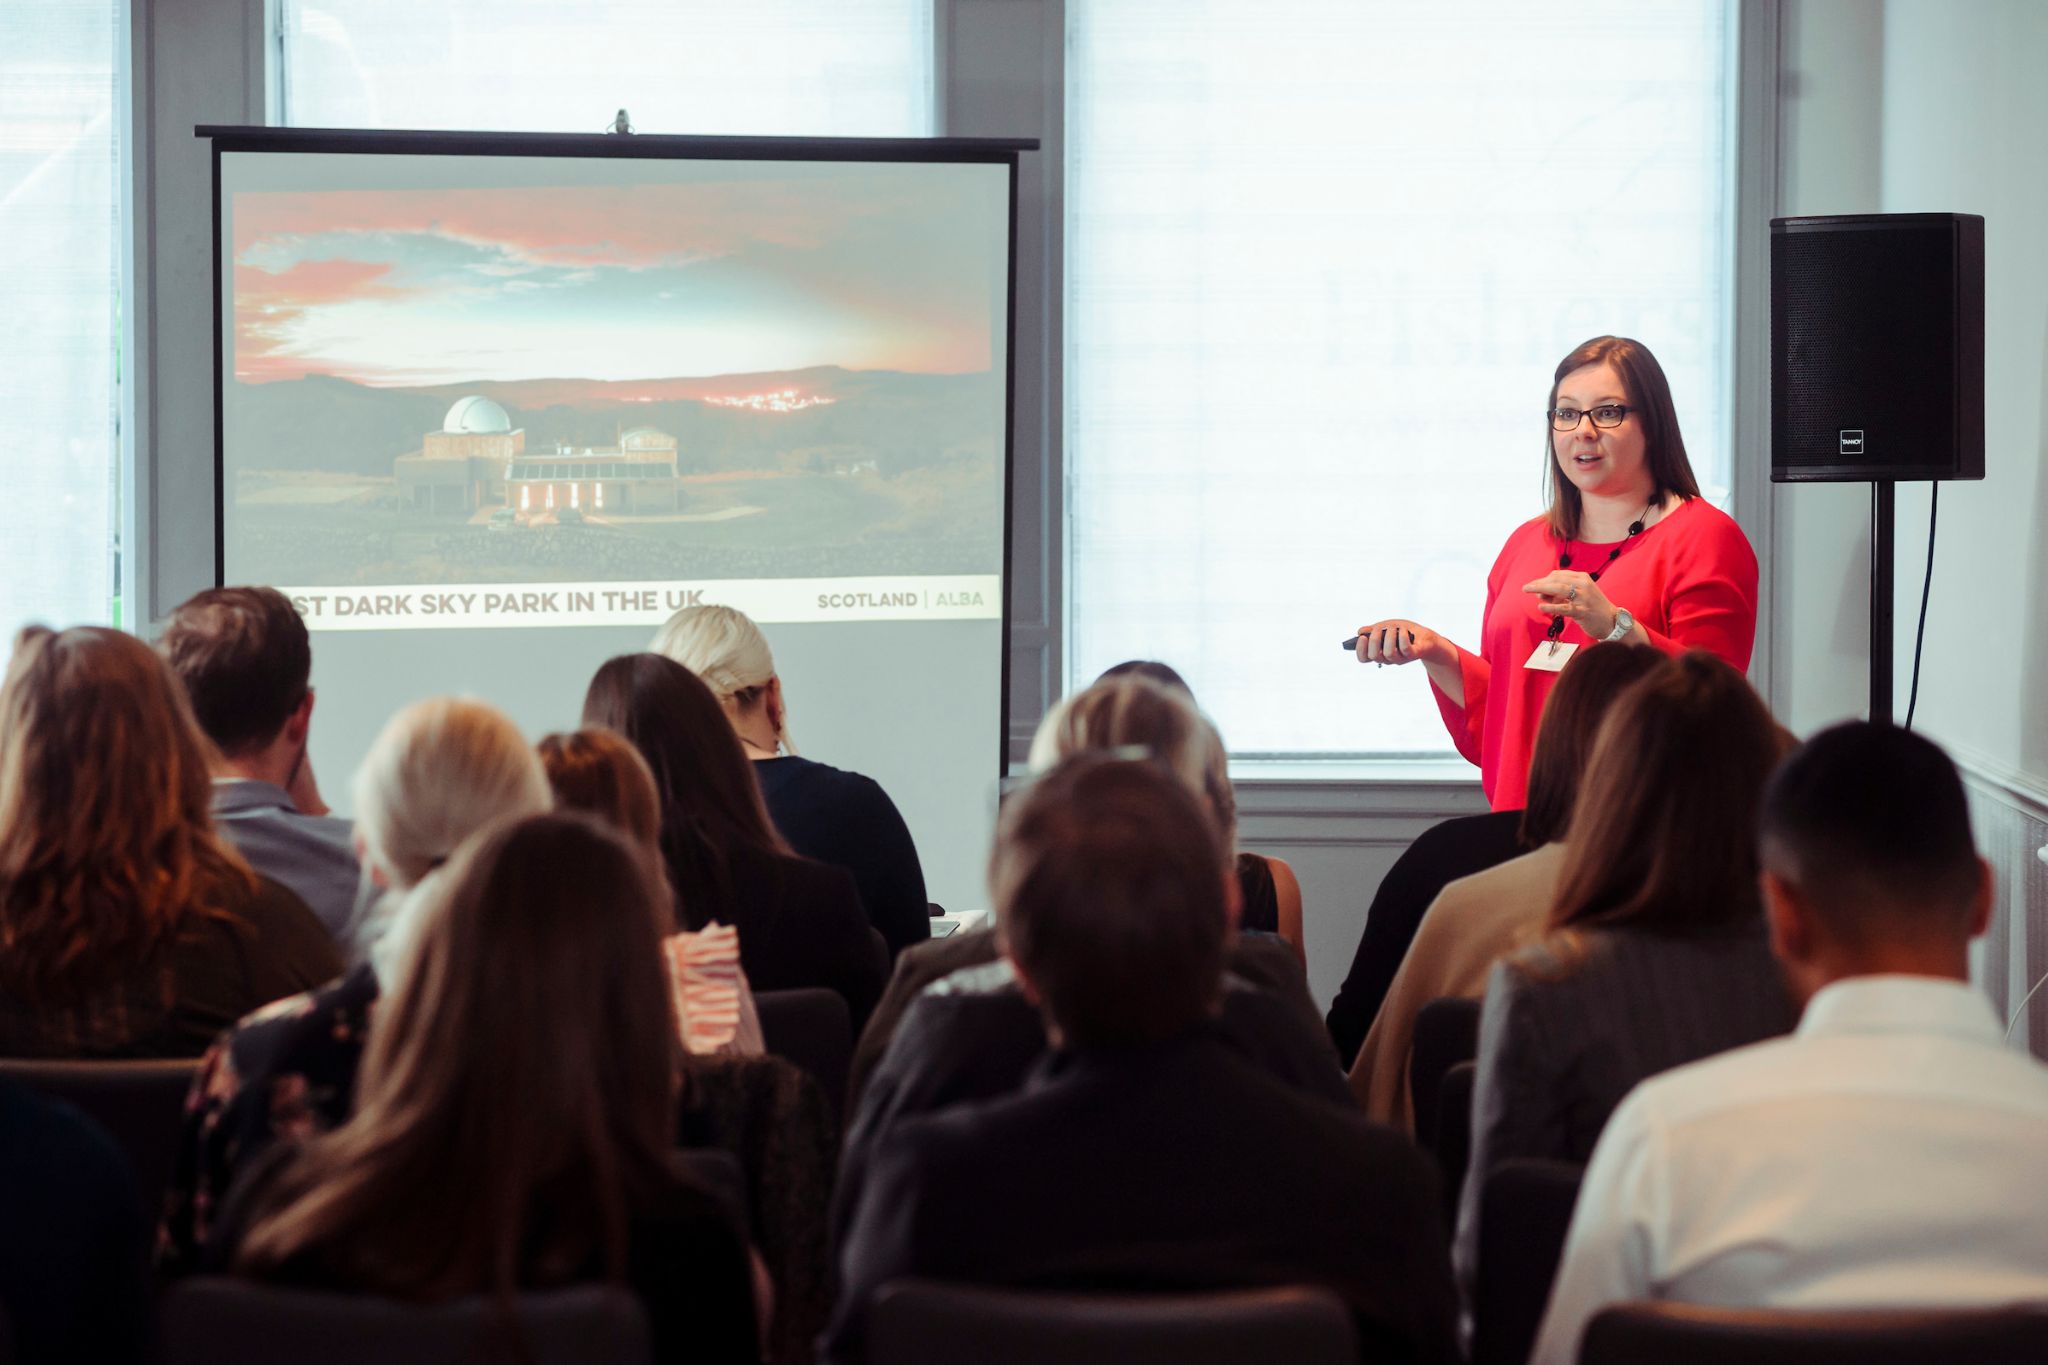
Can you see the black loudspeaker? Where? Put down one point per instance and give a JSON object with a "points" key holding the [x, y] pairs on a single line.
{"points": [[1877, 348]]}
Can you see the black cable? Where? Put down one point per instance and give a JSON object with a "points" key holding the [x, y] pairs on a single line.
{"points": [[1920, 632]]}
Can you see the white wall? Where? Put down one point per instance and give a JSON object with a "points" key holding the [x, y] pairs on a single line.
{"points": [[1903, 106], [1966, 130]]}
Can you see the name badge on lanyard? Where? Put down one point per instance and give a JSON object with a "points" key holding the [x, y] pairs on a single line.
{"points": [[1551, 655]]}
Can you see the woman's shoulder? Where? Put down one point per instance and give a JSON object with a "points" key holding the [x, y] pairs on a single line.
{"points": [[1698, 526], [808, 781]]}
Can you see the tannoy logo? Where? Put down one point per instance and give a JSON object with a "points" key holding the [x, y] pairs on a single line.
{"points": [[1852, 442]]}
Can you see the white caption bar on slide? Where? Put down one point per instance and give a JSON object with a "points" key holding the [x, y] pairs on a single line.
{"points": [[960, 597]]}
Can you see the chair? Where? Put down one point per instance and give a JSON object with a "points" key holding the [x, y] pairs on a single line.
{"points": [[1525, 1209], [230, 1322], [1451, 1143], [1446, 1033], [1686, 1334], [140, 1104], [812, 1029], [919, 1322]]}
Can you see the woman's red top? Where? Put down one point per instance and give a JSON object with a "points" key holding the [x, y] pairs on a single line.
{"points": [[1689, 580]]}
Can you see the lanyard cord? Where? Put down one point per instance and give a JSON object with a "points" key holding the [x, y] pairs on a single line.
{"points": [[1564, 561]]}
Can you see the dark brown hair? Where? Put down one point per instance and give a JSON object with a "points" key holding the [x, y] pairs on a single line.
{"points": [[1872, 824], [600, 773], [1564, 737], [1649, 401], [243, 656], [1664, 833], [1158, 672], [107, 844], [710, 803], [1108, 888], [517, 1095]]}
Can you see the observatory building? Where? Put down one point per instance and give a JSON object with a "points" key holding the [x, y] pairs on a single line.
{"points": [[479, 460]]}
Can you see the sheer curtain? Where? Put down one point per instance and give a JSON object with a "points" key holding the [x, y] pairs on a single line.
{"points": [[772, 67], [1322, 256], [59, 308]]}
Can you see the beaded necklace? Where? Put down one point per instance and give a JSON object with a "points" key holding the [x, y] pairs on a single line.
{"points": [[1564, 561]]}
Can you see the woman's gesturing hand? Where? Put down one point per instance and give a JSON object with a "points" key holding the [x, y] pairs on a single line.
{"points": [[1576, 597], [1395, 641]]}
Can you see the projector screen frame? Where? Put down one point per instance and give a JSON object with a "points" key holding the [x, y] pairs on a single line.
{"points": [[638, 146]]}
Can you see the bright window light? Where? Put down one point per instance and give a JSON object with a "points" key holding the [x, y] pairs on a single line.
{"points": [[1322, 256]]}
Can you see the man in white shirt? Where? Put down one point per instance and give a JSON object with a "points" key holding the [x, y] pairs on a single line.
{"points": [[245, 661], [1888, 1153]]}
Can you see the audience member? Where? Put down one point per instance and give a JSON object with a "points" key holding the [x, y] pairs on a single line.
{"points": [[128, 928], [1885, 1155], [245, 660], [1121, 713], [1272, 893], [800, 922], [1657, 953], [528, 1044], [600, 773], [1145, 1153], [439, 771], [1480, 918], [74, 1265], [836, 817], [1442, 854]]}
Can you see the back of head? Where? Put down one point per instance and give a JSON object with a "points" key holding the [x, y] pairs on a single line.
{"points": [[1131, 713], [710, 802], [724, 647], [1572, 714], [106, 834], [1164, 674], [529, 1042], [1107, 879], [244, 658], [600, 773], [1663, 836], [1870, 822], [441, 770]]}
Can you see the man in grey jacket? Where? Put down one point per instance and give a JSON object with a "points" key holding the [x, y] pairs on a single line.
{"points": [[245, 661]]}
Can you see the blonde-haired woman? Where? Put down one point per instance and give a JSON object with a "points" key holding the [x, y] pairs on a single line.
{"points": [[1157, 722], [128, 928], [516, 1111], [825, 813], [439, 771], [1269, 893]]}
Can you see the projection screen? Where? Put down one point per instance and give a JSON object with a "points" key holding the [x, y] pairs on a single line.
{"points": [[491, 408]]}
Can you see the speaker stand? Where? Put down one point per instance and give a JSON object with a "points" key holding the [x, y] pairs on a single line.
{"points": [[1881, 563]]}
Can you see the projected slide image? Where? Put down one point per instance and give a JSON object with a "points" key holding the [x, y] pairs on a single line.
{"points": [[637, 376]]}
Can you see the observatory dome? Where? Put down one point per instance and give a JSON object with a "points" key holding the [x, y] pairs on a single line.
{"points": [[476, 415]]}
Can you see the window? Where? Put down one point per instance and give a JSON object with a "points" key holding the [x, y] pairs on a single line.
{"points": [[792, 67], [1322, 256], [59, 296]]}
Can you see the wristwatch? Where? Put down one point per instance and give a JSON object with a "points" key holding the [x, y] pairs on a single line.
{"points": [[1624, 626]]}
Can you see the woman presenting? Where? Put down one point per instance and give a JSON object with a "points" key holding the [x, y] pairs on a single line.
{"points": [[1629, 552]]}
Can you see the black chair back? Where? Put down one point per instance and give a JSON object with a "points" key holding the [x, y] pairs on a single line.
{"points": [[229, 1322], [1525, 1209], [1451, 1143], [140, 1104], [919, 1322], [1684, 1334], [1446, 1033], [812, 1029]]}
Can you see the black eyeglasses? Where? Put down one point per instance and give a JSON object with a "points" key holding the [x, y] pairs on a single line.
{"points": [[1606, 415]]}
